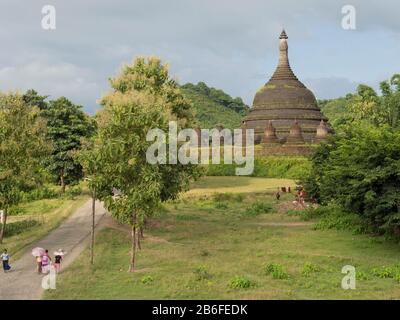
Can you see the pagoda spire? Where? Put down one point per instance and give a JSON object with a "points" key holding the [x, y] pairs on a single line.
{"points": [[283, 71]]}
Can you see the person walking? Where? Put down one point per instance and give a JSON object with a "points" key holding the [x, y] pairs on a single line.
{"points": [[46, 262], [39, 264], [57, 259], [5, 257]]}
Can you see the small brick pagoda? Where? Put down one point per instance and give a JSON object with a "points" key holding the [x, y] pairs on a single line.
{"points": [[285, 115]]}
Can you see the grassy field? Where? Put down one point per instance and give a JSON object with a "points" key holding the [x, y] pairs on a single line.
{"points": [[45, 215], [228, 238]]}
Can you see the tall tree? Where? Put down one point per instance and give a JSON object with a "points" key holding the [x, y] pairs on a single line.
{"points": [[143, 97], [22, 149], [67, 124], [32, 98]]}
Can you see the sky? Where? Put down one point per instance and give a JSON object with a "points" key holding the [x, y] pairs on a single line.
{"points": [[229, 44]]}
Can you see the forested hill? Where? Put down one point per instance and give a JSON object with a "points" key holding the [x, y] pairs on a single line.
{"points": [[214, 107]]}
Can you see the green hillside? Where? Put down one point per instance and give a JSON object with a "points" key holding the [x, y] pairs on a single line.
{"points": [[214, 107]]}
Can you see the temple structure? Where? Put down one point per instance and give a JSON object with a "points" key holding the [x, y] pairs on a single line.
{"points": [[284, 111]]}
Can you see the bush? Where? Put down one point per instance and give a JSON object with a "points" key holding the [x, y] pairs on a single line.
{"points": [[267, 167], [147, 280], [18, 227], [258, 208], [201, 273], [277, 271], [386, 272], [358, 168], [38, 194], [73, 192], [341, 221], [239, 282], [309, 268]]}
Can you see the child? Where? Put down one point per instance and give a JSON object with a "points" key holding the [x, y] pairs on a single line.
{"points": [[5, 257], [39, 264]]}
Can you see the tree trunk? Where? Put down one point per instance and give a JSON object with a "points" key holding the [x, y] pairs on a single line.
{"points": [[3, 226], [62, 182], [93, 224], [133, 245]]}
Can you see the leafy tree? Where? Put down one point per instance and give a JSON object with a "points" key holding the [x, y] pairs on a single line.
{"points": [[390, 101], [22, 148], [143, 97], [32, 98], [67, 124], [359, 168]]}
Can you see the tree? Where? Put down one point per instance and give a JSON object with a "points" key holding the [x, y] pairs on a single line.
{"points": [[22, 149], [390, 101], [143, 97], [359, 169], [67, 124], [32, 98]]}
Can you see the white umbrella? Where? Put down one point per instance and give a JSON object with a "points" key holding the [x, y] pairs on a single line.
{"points": [[60, 252]]}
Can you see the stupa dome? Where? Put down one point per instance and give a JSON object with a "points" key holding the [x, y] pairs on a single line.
{"points": [[282, 100]]}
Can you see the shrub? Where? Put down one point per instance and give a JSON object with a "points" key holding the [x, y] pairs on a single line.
{"points": [[73, 192], [267, 167], [258, 208], [147, 280], [358, 168], [239, 282], [38, 194], [360, 275], [201, 273], [220, 205], [277, 271], [309, 268], [18, 227], [385, 272]]}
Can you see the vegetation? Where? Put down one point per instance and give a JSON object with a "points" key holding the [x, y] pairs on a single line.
{"points": [[213, 107], [144, 97], [267, 167], [67, 124], [22, 149], [32, 220], [358, 167], [199, 258]]}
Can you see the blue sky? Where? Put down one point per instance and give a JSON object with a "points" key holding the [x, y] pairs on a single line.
{"points": [[229, 44]]}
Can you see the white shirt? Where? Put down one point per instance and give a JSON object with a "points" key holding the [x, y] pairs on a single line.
{"points": [[5, 256]]}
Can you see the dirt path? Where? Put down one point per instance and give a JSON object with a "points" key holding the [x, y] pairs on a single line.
{"points": [[72, 236]]}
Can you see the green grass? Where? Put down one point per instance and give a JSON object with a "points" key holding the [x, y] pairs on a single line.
{"points": [[38, 218], [221, 253]]}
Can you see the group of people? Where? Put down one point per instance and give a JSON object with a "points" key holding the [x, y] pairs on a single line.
{"points": [[300, 194], [44, 261]]}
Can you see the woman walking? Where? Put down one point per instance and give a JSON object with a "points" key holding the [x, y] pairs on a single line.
{"points": [[46, 262], [58, 255], [5, 257]]}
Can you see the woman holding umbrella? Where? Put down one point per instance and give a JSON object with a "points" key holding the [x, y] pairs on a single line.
{"points": [[38, 253]]}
